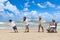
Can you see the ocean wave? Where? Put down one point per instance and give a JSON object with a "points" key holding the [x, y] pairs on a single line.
{"points": [[2, 23]]}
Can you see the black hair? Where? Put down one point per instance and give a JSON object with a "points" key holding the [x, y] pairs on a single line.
{"points": [[40, 18], [10, 20], [53, 20], [24, 18]]}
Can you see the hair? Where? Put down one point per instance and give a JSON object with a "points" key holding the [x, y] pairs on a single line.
{"points": [[53, 20], [40, 18], [10, 20], [24, 18]]}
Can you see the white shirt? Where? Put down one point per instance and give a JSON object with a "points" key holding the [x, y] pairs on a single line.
{"points": [[26, 22], [52, 26], [11, 24]]}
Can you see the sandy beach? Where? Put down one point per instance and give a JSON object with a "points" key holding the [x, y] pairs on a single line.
{"points": [[6, 34]]}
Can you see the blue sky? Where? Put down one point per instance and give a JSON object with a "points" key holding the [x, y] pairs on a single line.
{"points": [[32, 9]]}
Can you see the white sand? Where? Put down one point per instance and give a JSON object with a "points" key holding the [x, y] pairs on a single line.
{"points": [[32, 35]]}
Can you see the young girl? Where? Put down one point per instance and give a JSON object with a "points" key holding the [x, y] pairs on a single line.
{"points": [[13, 25], [40, 25], [26, 23]]}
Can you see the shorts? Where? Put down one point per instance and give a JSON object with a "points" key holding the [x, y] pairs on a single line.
{"points": [[14, 28]]}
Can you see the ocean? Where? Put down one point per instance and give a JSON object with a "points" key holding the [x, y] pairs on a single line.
{"points": [[20, 25]]}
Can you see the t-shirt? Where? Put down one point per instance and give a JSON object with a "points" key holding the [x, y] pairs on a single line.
{"points": [[11, 24], [40, 22], [26, 22]]}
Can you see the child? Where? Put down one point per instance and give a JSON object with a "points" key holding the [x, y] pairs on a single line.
{"points": [[40, 25], [27, 24], [12, 24]]}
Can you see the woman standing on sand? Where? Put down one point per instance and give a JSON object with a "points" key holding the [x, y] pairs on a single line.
{"points": [[25, 20], [40, 25]]}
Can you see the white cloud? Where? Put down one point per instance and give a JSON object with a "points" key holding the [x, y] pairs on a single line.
{"points": [[25, 13], [41, 6], [1, 7], [33, 2], [6, 15], [25, 9], [30, 14], [27, 4], [8, 6], [9, 14], [2, 1], [12, 8], [3, 14], [46, 16], [57, 14], [58, 7], [33, 12], [46, 5], [50, 4]]}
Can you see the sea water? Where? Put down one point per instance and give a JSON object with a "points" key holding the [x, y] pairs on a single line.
{"points": [[20, 25]]}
